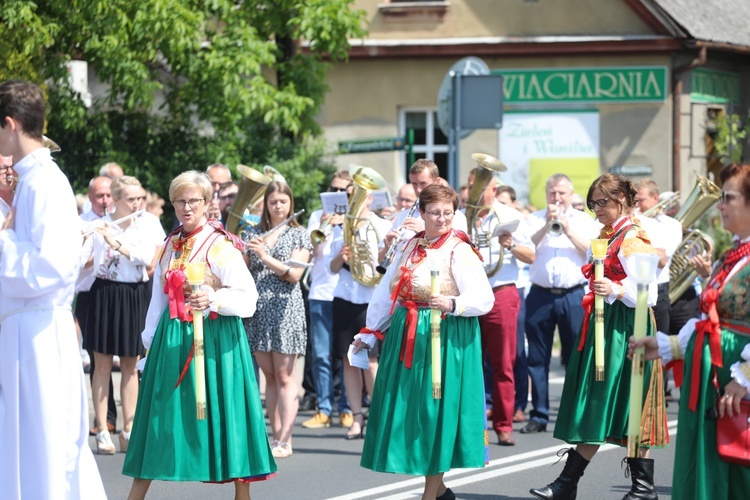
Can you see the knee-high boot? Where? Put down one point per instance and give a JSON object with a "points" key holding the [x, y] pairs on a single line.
{"points": [[642, 475], [565, 487]]}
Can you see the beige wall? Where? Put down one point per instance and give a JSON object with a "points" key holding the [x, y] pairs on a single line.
{"points": [[476, 18], [366, 96]]}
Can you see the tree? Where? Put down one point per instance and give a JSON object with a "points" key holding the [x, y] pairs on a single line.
{"points": [[187, 82]]}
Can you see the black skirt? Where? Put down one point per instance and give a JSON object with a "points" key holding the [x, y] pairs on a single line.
{"points": [[116, 317]]}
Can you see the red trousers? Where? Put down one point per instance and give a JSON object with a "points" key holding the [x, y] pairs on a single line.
{"points": [[499, 340]]}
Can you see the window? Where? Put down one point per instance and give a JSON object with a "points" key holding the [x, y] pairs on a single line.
{"points": [[429, 140]]}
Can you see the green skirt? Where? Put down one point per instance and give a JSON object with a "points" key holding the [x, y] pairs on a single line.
{"points": [[699, 473], [409, 432], [597, 412], [168, 442]]}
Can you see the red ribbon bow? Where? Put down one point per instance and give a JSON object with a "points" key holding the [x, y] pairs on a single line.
{"points": [[175, 279], [711, 327]]}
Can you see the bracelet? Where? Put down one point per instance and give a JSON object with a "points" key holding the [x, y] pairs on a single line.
{"points": [[453, 310], [119, 244], [287, 270]]}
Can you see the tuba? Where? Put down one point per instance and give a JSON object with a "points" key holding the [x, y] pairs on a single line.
{"points": [[482, 239], [662, 205], [52, 145], [705, 194], [359, 233], [252, 187]]}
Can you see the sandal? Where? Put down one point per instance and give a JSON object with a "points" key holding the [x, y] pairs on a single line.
{"points": [[282, 450], [104, 444], [361, 433]]}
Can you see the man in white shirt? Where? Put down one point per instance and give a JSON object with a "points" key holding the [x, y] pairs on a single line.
{"points": [[500, 325], [221, 177], [43, 401], [325, 366], [407, 223], [556, 287], [665, 234]]}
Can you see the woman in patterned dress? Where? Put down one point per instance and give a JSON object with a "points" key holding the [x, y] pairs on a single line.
{"points": [[278, 331], [410, 432], [718, 346], [593, 412], [168, 441], [119, 298]]}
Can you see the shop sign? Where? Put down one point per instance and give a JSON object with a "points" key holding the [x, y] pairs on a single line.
{"points": [[371, 145], [622, 84], [713, 86]]}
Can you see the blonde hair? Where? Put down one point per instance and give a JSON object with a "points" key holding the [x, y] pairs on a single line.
{"points": [[191, 179], [120, 183]]}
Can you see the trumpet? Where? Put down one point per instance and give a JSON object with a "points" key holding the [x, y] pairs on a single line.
{"points": [[554, 228], [318, 236], [391, 252]]}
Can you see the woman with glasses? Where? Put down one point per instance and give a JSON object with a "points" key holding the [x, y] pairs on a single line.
{"points": [[593, 412], [410, 431], [120, 255], [278, 330], [715, 353], [168, 442]]}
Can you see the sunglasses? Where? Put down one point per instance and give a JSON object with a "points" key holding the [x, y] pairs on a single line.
{"points": [[332, 189]]}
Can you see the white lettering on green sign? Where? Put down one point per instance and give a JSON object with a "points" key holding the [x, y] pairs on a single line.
{"points": [[636, 84]]}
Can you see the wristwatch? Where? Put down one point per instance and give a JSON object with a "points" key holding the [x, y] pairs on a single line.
{"points": [[512, 247]]}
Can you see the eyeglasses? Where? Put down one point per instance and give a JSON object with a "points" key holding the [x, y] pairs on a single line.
{"points": [[228, 197], [192, 203], [437, 215], [220, 185], [332, 189], [4, 169], [728, 196], [600, 203]]}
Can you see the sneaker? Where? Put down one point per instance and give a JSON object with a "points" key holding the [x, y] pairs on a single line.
{"points": [[346, 419], [318, 421]]}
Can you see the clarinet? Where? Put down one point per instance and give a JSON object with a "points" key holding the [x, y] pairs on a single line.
{"points": [[388, 258]]}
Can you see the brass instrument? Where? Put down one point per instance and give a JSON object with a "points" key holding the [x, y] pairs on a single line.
{"points": [[274, 174], [252, 187], [52, 145], [554, 228], [359, 234], [662, 205], [705, 194], [318, 236], [681, 271], [488, 167], [391, 252]]}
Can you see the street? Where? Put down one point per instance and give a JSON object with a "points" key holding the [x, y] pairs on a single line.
{"points": [[326, 466]]}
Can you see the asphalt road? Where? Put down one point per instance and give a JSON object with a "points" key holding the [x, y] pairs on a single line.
{"points": [[326, 466]]}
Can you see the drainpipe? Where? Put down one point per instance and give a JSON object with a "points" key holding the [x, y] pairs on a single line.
{"points": [[677, 73]]}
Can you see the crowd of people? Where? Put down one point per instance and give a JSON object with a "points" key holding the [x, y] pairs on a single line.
{"points": [[448, 340]]}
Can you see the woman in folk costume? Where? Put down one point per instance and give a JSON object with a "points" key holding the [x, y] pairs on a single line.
{"points": [[412, 432], [593, 412], [716, 346], [168, 441]]}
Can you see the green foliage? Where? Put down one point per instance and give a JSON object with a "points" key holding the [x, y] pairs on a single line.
{"points": [[729, 137], [185, 83]]}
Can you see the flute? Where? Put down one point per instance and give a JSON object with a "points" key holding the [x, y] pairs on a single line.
{"points": [[118, 221]]}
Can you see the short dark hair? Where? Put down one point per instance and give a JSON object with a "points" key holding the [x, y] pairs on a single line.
{"points": [[24, 102], [507, 189], [425, 164], [437, 193], [742, 172]]}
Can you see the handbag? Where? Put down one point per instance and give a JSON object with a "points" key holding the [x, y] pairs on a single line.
{"points": [[733, 436]]}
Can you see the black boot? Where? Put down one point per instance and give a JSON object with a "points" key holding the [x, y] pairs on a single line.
{"points": [[642, 475], [565, 486]]}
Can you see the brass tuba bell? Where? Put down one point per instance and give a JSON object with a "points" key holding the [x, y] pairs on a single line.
{"points": [[359, 233], [252, 187], [488, 167]]}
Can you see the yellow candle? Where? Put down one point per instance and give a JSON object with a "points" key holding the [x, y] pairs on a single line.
{"points": [[599, 252], [636, 375], [194, 271], [437, 372]]}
